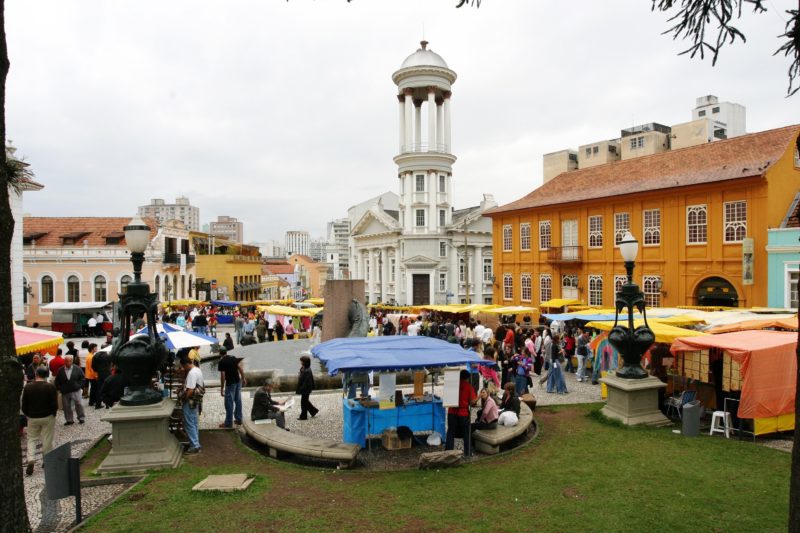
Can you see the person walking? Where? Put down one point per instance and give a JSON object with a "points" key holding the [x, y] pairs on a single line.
{"points": [[305, 384], [458, 418], [192, 398], [40, 405], [238, 328], [261, 331], [101, 365], [91, 376], [582, 352], [69, 383], [289, 330], [278, 331], [231, 379]]}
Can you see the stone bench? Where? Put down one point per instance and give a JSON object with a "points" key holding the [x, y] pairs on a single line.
{"points": [[488, 441], [277, 439]]}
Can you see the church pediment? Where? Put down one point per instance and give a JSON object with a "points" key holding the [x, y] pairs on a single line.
{"points": [[374, 222], [420, 261]]}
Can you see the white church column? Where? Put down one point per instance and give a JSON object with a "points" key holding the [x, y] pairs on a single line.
{"points": [[373, 275], [452, 272], [440, 126], [417, 125], [401, 121], [354, 265], [432, 119], [398, 281], [477, 275], [384, 272], [409, 105], [449, 149], [409, 199]]}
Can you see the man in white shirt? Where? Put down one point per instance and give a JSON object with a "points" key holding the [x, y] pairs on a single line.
{"points": [[192, 396], [486, 336], [479, 329], [92, 324], [100, 319], [414, 327]]}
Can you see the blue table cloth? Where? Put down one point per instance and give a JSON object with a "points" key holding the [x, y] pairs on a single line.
{"points": [[360, 421]]}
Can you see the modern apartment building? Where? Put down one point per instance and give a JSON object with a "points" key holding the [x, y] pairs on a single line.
{"points": [[181, 210], [227, 227], [297, 242]]}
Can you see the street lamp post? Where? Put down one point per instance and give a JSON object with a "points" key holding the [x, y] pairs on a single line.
{"points": [[140, 357], [630, 343]]}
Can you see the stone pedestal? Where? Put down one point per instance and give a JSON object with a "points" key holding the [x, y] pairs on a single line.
{"points": [[634, 401], [338, 296], [141, 438]]}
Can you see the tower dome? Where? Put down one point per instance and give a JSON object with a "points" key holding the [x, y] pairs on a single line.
{"points": [[424, 58]]}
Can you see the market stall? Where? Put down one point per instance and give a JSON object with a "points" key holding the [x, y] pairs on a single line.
{"points": [[387, 355], [29, 340], [760, 365]]}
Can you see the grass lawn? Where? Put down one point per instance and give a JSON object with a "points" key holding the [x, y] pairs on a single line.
{"points": [[581, 474]]}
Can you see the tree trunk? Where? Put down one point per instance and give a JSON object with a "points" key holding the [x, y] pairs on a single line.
{"points": [[794, 479], [13, 511]]}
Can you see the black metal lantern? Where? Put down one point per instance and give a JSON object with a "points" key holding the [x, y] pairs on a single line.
{"points": [[630, 343], [140, 357]]}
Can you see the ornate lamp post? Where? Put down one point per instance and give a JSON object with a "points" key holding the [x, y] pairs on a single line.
{"points": [[140, 357], [630, 343]]}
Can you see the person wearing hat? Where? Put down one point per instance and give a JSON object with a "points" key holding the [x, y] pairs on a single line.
{"points": [[231, 379], [264, 407]]}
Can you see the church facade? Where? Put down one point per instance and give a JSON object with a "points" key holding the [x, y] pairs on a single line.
{"points": [[423, 250]]}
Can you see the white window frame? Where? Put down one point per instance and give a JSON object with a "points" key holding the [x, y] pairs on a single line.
{"points": [[442, 217], [790, 301], [734, 223], [487, 273], [696, 211], [442, 281], [545, 287], [619, 281], [508, 287], [651, 235], [442, 183], [619, 228], [652, 296], [508, 238], [525, 236], [462, 270], [526, 287], [545, 235], [392, 266], [442, 248], [596, 232], [595, 289], [419, 179], [417, 214]]}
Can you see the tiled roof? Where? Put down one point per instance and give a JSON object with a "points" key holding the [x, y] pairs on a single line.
{"points": [[277, 269], [49, 231], [740, 157], [792, 219]]}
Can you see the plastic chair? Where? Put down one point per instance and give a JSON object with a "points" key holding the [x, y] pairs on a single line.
{"points": [[721, 423], [676, 403]]}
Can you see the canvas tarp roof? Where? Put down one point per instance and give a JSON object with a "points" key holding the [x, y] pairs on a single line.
{"points": [[767, 363], [665, 333], [29, 340], [398, 352], [75, 306], [764, 323], [284, 310]]}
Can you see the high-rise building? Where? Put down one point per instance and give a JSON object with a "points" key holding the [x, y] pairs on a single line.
{"points": [[338, 252], [317, 249], [228, 227], [297, 242], [181, 210]]}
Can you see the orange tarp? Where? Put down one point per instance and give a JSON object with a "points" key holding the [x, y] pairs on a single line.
{"points": [[765, 323], [767, 363]]}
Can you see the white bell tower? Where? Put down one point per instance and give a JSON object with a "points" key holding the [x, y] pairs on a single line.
{"points": [[425, 161]]}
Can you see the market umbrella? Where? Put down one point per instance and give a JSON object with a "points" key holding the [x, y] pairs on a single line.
{"points": [[176, 338], [29, 340]]}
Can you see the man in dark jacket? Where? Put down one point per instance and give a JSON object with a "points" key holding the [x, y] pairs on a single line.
{"points": [[69, 382], [264, 407], [40, 405], [113, 389], [101, 364]]}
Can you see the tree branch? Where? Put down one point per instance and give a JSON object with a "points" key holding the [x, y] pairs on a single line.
{"points": [[791, 48]]}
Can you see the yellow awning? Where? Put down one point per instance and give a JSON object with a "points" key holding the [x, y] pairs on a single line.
{"points": [[512, 310], [665, 333], [559, 302], [315, 301], [284, 310], [313, 310], [767, 323], [174, 303]]}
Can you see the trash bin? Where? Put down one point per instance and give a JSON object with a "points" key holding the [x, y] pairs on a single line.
{"points": [[691, 418]]}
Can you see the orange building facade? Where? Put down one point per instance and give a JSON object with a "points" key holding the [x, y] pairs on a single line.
{"points": [[700, 215]]}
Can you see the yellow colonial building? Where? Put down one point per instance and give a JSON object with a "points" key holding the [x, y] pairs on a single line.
{"points": [[226, 270], [700, 215]]}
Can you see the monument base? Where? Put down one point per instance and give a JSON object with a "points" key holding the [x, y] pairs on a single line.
{"points": [[141, 438], [634, 401]]}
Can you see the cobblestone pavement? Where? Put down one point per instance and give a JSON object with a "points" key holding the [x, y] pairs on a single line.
{"points": [[46, 515], [328, 422]]}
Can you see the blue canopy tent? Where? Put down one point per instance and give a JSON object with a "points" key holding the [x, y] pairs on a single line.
{"points": [[391, 353], [396, 352], [224, 303]]}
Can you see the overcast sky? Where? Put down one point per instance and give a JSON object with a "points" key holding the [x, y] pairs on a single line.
{"points": [[283, 114]]}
